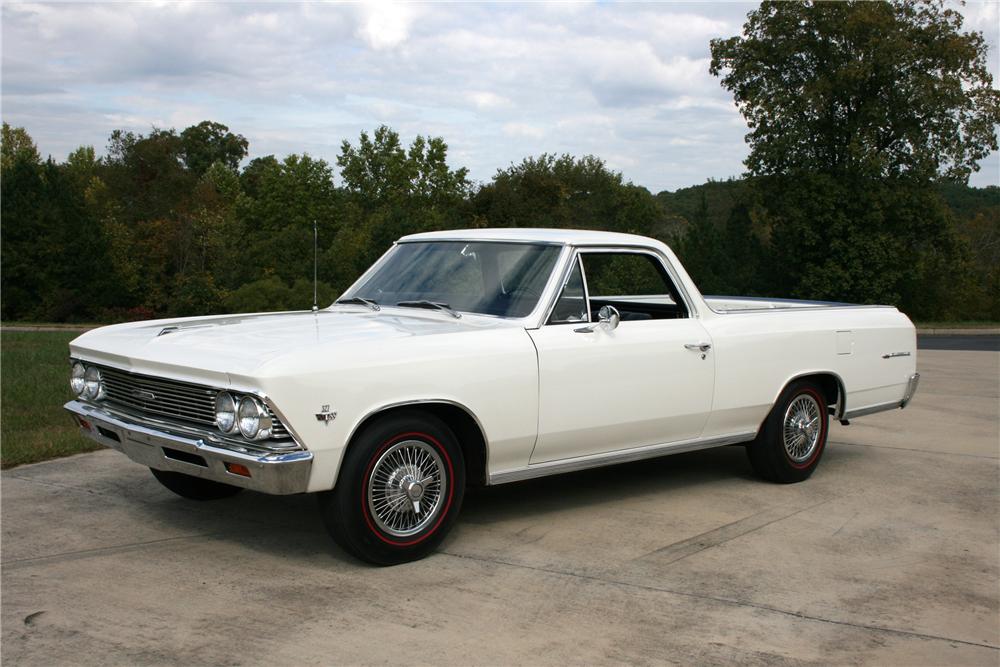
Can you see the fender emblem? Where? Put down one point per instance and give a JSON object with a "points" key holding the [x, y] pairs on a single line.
{"points": [[325, 415]]}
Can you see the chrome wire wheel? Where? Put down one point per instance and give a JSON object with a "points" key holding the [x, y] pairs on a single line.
{"points": [[405, 488], [802, 428]]}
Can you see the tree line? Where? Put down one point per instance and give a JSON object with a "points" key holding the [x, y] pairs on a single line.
{"points": [[866, 120]]}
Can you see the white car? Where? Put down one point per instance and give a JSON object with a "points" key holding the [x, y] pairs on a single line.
{"points": [[483, 357]]}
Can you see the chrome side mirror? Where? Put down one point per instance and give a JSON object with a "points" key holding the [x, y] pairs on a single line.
{"points": [[607, 317]]}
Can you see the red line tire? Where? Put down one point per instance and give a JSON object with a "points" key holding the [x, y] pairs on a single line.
{"points": [[792, 439], [406, 460]]}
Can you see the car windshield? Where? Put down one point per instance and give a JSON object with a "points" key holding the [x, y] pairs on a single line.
{"points": [[489, 278]]}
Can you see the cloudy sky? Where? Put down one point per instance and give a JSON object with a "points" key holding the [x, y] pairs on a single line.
{"points": [[626, 82]]}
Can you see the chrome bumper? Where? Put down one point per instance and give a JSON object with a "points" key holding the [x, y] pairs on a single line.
{"points": [[911, 389], [183, 450]]}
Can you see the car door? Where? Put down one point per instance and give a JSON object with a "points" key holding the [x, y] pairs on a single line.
{"points": [[602, 388]]}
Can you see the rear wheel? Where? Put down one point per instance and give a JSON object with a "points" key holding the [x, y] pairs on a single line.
{"points": [[194, 488], [400, 489], [793, 437]]}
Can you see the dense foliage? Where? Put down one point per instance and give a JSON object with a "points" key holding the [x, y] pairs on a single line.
{"points": [[861, 114], [149, 230], [866, 120]]}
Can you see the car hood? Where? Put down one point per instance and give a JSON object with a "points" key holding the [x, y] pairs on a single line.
{"points": [[214, 347]]}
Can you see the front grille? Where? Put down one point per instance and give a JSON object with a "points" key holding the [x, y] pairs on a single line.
{"points": [[167, 398]]}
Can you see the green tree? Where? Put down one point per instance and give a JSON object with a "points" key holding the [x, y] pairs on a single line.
{"points": [[283, 201], [868, 88], [564, 191], [206, 143], [855, 108], [17, 145], [392, 191]]}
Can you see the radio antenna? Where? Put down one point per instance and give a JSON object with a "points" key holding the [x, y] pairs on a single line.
{"points": [[315, 265]]}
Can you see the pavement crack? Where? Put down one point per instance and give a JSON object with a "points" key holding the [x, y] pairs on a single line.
{"points": [[919, 451], [713, 538], [727, 601], [102, 551]]}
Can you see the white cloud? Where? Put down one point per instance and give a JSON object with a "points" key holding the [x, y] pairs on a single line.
{"points": [[626, 82], [385, 24], [523, 130]]}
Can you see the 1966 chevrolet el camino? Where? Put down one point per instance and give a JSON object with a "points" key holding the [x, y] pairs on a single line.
{"points": [[482, 357]]}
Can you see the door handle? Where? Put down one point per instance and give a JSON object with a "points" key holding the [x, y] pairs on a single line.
{"points": [[701, 347]]}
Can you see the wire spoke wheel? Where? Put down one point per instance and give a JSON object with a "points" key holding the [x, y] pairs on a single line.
{"points": [[801, 428], [406, 488]]}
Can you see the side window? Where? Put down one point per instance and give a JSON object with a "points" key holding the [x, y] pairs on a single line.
{"points": [[572, 303], [635, 283]]}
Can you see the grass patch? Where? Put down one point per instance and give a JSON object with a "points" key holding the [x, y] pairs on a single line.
{"points": [[34, 385]]}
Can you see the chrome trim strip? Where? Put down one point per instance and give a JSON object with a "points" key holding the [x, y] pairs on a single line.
{"points": [[893, 355], [871, 409], [792, 309], [277, 473], [466, 239], [586, 288], [611, 458]]}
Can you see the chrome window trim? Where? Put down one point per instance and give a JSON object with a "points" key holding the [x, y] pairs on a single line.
{"points": [[528, 321], [567, 274], [586, 287], [579, 250]]}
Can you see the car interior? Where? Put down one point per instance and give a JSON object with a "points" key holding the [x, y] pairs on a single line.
{"points": [[634, 283]]}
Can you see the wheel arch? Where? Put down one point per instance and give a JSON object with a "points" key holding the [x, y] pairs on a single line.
{"points": [[829, 382], [459, 418]]}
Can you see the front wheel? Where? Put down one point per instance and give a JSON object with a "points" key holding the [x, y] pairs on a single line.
{"points": [[400, 489], [194, 488], [791, 441]]}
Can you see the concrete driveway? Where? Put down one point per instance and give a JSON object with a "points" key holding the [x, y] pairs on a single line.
{"points": [[888, 555]]}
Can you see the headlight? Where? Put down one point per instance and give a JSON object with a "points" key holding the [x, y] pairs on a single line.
{"points": [[253, 418], [76, 381], [225, 412], [92, 386]]}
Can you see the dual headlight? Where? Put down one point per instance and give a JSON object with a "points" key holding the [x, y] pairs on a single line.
{"points": [[245, 414], [85, 381]]}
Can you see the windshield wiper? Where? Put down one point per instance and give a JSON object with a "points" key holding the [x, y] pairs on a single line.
{"points": [[431, 304], [361, 302]]}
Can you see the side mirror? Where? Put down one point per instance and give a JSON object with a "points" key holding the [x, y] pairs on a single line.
{"points": [[607, 317]]}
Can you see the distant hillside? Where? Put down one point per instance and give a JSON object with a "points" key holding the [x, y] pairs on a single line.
{"points": [[715, 199]]}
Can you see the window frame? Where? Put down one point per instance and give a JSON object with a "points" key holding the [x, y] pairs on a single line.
{"points": [[577, 260], [683, 298]]}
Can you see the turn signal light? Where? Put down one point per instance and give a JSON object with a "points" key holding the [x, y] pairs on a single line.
{"points": [[238, 469], [84, 423]]}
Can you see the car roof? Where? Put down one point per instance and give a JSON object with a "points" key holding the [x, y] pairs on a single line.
{"points": [[533, 235]]}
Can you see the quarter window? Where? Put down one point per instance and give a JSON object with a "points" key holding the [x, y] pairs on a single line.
{"points": [[572, 303]]}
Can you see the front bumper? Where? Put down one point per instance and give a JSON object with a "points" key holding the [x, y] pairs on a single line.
{"points": [[184, 450]]}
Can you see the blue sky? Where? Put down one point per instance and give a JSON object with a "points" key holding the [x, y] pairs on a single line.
{"points": [[626, 82]]}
